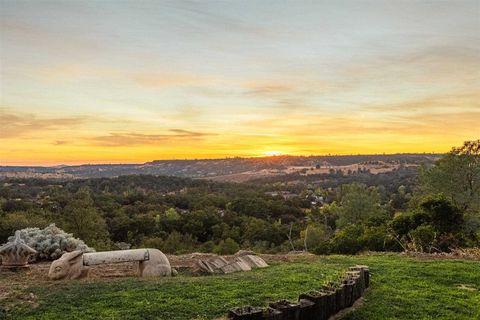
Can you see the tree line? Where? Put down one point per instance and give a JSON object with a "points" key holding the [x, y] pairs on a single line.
{"points": [[434, 208]]}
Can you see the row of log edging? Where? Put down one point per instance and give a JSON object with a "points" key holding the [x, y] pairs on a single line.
{"points": [[319, 304]]}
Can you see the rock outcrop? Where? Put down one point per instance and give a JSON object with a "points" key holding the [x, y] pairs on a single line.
{"points": [[245, 262]]}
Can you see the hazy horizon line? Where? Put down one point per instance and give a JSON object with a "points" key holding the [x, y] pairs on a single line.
{"points": [[223, 158]]}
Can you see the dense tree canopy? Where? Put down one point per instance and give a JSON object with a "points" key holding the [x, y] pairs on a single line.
{"points": [[332, 212], [457, 176]]}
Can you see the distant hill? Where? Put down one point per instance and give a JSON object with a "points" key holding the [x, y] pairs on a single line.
{"points": [[228, 169]]}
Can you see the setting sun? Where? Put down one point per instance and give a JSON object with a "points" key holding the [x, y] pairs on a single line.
{"points": [[272, 153]]}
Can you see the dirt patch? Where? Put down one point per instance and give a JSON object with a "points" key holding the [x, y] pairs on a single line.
{"points": [[188, 261], [35, 273], [290, 257], [15, 284], [463, 254], [381, 167], [3, 293]]}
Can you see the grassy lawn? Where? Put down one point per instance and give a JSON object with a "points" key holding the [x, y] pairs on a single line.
{"points": [[401, 288]]}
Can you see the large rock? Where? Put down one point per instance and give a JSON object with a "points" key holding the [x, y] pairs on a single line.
{"points": [[230, 264], [242, 264], [205, 266], [219, 262]]}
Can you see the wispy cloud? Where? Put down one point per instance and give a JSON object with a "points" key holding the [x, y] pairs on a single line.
{"points": [[442, 102], [13, 125], [116, 139], [199, 15], [430, 65], [60, 142], [158, 80], [269, 90]]}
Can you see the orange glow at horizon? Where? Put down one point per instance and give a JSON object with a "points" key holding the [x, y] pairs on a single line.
{"points": [[39, 151]]}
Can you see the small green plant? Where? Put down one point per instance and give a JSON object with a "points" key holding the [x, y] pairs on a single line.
{"points": [[229, 246]]}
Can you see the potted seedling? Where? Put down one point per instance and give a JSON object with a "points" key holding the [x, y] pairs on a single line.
{"points": [[331, 301], [272, 314], [320, 300], [245, 313], [289, 309], [306, 310]]}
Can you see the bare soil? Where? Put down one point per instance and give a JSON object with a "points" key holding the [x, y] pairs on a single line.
{"points": [[464, 254]]}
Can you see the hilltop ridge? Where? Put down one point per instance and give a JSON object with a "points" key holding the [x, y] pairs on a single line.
{"points": [[227, 169]]}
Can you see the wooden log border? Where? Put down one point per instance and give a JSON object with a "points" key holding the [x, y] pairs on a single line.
{"points": [[317, 304]]}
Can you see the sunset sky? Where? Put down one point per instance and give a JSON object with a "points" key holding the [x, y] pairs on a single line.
{"points": [[134, 81]]}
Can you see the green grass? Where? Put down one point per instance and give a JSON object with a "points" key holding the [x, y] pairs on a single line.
{"points": [[401, 288]]}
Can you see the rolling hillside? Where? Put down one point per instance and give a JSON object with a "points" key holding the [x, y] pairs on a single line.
{"points": [[228, 169]]}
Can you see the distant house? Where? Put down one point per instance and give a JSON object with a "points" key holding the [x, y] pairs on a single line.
{"points": [[316, 200], [272, 193], [284, 194]]}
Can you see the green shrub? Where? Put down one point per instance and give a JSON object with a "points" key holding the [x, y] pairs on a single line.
{"points": [[227, 246], [323, 247], [314, 235], [373, 238], [348, 240], [156, 243], [208, 246], [444, 216], [420, 217], [11, 222], [179, 243], [445, 242], [423, 238], [402, 223]]}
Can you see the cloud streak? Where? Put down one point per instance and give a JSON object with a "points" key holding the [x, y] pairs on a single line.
{"points": [[130, 139], [15, 125], [446, 102]]}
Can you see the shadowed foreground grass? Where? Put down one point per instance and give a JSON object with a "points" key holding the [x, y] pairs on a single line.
{"points": [[402, 288]]}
